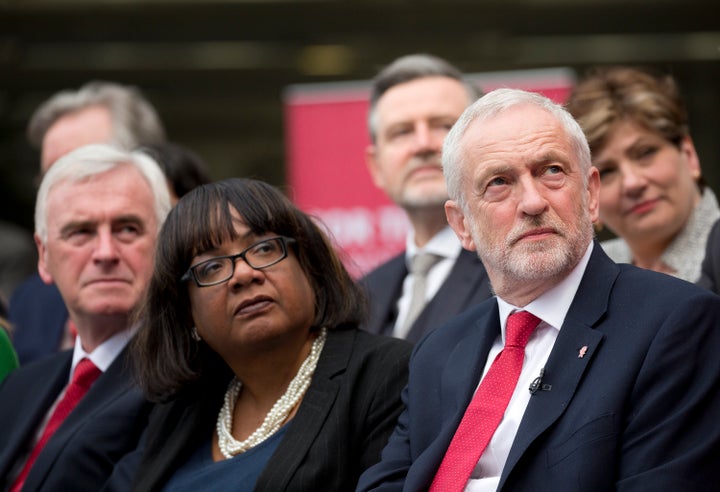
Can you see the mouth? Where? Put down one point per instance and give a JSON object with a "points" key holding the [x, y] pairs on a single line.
{"points": [[253, 306], [537, 234], [425, 171], [107, 281], [642, 208]]}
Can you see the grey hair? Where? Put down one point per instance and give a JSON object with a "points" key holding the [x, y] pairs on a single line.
{"points": [[134, 120], [91, 160], [492, 104], [408, 68]]}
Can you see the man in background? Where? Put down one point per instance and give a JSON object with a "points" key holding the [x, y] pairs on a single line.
{"points": [[68, 418], [97, 112], [413, 104]]}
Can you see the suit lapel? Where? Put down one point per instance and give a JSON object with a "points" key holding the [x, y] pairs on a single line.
{"points": [[311, 416], [384, 287], [110, 386], [47, 379], [460, 376], [575, 347], [464, 286]]}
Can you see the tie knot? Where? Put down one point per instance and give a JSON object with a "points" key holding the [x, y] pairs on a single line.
{"points": [[520, 326], [422, 263], [85, 373]]}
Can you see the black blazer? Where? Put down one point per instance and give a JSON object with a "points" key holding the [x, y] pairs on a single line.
{"points": [[101, 429], [637, 412], [466, 285], [340, 428], [710, 271]]}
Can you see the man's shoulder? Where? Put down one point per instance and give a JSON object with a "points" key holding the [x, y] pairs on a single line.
{"points": [[641, 294], [391, 267], [43, 367], [473, 320]]}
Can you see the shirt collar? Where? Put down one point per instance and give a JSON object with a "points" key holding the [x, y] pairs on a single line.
{"points": [[445, 243], [552, 306], [106, 352]]}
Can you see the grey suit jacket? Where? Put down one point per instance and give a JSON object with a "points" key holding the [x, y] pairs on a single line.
{"points": [[466, 285], [105, 425], [340, 428]]}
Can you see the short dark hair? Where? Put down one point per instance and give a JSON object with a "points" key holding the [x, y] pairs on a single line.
{"points": [[166, 356], [412, 67], [183, 167]]}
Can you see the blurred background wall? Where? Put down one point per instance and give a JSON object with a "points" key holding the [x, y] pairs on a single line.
{"points": [[216, 70]]}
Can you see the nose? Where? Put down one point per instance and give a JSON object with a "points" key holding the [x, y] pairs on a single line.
{"points": [[532, 202], [105, 247], [425, 139], [244, 274], [633, 179]]}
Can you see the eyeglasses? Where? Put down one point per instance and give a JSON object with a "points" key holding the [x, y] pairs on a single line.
{"points": [[220, 269]]}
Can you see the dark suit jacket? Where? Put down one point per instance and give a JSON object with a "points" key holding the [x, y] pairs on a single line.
{"points": [[38, 314], [340, 428], [637, 412], [710, 272], [466, 285], [103, 427]]}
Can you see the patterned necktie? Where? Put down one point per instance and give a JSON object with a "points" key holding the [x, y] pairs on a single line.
{"points": [[420, 267], [85, 374], [487, 407]]}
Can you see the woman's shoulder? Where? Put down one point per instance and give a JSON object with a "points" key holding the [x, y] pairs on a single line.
{"points": [[371, 342]]}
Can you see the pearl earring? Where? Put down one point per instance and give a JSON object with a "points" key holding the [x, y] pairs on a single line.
{"points": [[195, 335]]}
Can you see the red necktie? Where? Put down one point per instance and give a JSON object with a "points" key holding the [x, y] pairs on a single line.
{"points": [[85, 374], [487, 407]]}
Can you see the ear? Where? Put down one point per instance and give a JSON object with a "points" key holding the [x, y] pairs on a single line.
{"points": [[373, 166], [687, 149], [43, 271], [593, 189], [458, 222]]}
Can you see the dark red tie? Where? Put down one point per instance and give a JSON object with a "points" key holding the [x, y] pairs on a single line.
{"points": [[85, 374], [487, 407]]}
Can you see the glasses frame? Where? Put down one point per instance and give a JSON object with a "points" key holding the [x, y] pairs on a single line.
{"points": [[190, 273]]}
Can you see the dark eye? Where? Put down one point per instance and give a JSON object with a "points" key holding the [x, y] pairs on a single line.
{"points": [[78, 235], [210, 268], [497, 181], [645, 151], [128, 232], [265, 248], [80, 231], [606, 172]]}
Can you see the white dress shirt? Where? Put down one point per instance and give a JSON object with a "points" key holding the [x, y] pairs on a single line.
{"points": [[445, 244], [551, 307]]}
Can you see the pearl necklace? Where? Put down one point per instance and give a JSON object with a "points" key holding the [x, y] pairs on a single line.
{"points": [[278, 414]]}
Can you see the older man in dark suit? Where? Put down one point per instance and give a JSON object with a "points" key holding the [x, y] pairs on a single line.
{"points": [[414, 101], [582, 374], [67, 419]]}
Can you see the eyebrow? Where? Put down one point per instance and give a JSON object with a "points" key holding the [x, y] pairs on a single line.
{"points": [[79, 224], [76, 224], [244, 237]]}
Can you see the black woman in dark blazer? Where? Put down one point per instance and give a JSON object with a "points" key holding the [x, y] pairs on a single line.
{"points": [[250, 343]]}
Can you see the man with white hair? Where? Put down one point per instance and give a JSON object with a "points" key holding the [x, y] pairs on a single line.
{"points": [[98, 112], [581, 374], [67, 419]]}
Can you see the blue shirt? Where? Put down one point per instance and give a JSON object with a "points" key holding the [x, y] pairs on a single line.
{"points": [[240, 473]]}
